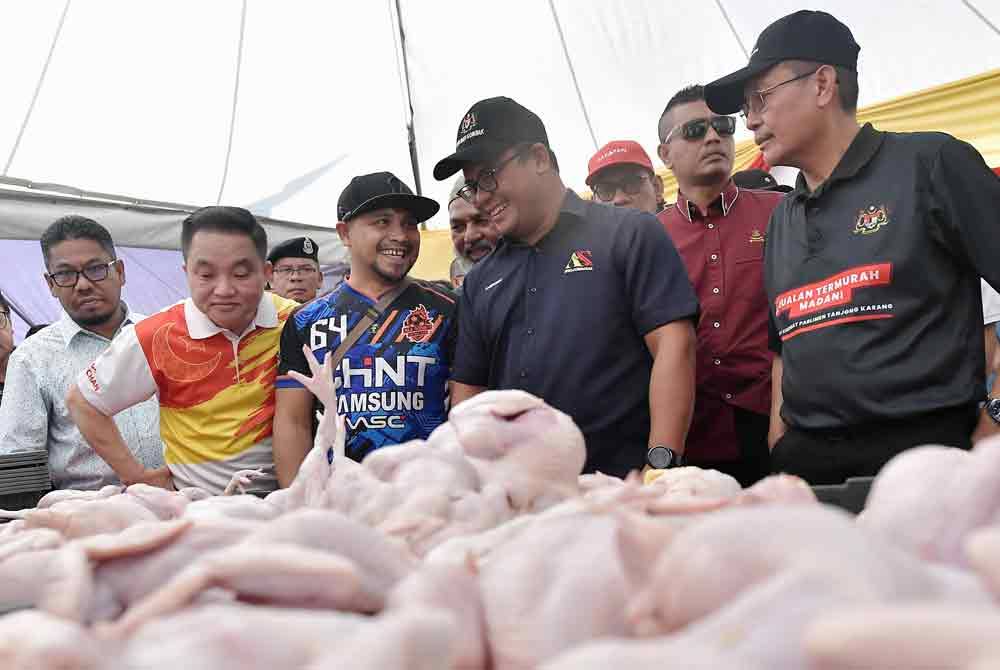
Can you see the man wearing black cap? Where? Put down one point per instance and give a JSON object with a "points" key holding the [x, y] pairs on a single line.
{"points": [[392, 338], [585, 306], [872, 262], [296, 274]]}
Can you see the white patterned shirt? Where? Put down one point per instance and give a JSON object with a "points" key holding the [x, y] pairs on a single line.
{"points": [[33, 415]]}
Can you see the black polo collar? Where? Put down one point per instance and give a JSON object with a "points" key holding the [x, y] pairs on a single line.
{"points": [[572, 205], [863, 148]]}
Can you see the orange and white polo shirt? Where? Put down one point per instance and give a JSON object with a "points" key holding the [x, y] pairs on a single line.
{"points": [[216, 389]]}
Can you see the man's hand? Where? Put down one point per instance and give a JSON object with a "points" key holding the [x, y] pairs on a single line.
{"points": [[160, 477]]}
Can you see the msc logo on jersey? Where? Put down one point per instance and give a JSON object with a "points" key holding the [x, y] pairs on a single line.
{"points": [[757, 237], [579, 261], [871, 219]]}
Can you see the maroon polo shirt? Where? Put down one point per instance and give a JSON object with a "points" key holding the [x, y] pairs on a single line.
{"points": [[723, 251]]}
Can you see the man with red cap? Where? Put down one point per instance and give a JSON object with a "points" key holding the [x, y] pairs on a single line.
{"points": [[719, 230], [621, 174]]}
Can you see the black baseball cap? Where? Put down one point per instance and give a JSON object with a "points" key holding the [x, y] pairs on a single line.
{"points": [[382, 189], [759, 180], [804, 35], [489, 127]]}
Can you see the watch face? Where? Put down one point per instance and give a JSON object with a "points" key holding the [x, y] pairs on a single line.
{"points": [[993, 409], [660, 457]]}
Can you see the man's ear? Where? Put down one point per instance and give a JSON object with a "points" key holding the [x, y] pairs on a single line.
{"points": [[343, 230], [658, 187], [826, 86], [663, 151], [52, 286], [543, 159], [121, 269], [268, 271]]}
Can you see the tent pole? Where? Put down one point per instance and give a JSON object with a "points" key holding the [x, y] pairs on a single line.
{"points": [[572, 73], [411, 134]]}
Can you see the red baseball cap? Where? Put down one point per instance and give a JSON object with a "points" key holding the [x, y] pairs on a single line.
{"points": [[616, 153]]}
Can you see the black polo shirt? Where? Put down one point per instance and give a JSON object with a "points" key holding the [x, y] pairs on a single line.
{"points": [[565, 320], [873, 281]]}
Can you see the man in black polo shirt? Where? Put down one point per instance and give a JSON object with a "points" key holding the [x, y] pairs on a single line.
{"points": [[584, 305], [872, 263]]}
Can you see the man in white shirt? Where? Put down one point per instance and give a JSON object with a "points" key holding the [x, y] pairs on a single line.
{"points": [[84, 274]]}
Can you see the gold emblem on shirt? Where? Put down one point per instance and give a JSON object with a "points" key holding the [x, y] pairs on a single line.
{"points": [[871, 219], [756, 236]]}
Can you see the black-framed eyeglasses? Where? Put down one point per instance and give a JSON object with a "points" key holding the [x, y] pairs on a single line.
{"points": [[605, 190], [756, 102], [487, 181], [4, 319], [289, 270], [69, 278], [695, 129]]}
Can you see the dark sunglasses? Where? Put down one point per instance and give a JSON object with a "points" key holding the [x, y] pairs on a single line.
{"points": [[605, 190], [695, 129]]}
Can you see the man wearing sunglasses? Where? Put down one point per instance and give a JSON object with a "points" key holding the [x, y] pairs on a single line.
{"points": [[585, 306], [84, 275], [621, 174], [719, 230], [295, 264], [872, 263]]}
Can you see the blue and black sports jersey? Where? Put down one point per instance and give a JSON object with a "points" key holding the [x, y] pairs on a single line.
{"points": [[394, 379]]}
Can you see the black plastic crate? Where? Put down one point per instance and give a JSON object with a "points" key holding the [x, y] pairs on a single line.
{"points": [[849, 496], [24, 479]]}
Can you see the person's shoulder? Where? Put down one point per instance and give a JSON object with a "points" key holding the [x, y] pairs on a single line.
{"points": [[284, 306], [169, 314], [318, 308], [436, 291]]}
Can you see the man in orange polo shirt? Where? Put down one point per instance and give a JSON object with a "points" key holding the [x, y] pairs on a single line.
{"points": [[719, 230], [212, 360]]}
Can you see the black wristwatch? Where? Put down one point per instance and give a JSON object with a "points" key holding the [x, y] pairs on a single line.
{"points": [[992, 408], [661, 457]]}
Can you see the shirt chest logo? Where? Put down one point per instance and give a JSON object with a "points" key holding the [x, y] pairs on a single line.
{"points": [[757, 237], [580, 260], [418, 326], [871, 219]]}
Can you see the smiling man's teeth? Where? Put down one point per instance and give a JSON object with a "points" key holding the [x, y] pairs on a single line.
{"points": [[393, 252], [497, 210]]}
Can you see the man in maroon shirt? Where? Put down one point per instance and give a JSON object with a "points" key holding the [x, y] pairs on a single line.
{"points": [[719, 230]]}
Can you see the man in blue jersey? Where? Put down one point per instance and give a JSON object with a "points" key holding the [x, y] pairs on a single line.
{"points": [[392, 337]]}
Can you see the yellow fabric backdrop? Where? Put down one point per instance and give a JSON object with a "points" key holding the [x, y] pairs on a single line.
{"points": [[968, 109]]}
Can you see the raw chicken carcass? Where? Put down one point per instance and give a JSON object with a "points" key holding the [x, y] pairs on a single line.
{"points": [[34, 640], [281, 575], [917, 635], [236, 636], [411, 639], [557, 583], [983, 550], [929, 499], [710, 562], [453, 589]]}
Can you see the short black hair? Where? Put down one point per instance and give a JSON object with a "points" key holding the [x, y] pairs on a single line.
{"points": [[220, 219], [847, 81], [692, 93], [75, 227]]}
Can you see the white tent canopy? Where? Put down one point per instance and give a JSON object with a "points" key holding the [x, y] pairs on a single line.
{"points": [[276, 105]]}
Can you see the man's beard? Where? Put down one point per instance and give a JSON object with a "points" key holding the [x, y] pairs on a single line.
{"points": [[97, 319]]}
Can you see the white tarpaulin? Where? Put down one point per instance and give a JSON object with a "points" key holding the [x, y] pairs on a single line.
{"points": [[276, 105]]}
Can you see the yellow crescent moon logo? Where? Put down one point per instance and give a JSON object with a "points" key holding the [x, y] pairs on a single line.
{"points": [[173, 366]]}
